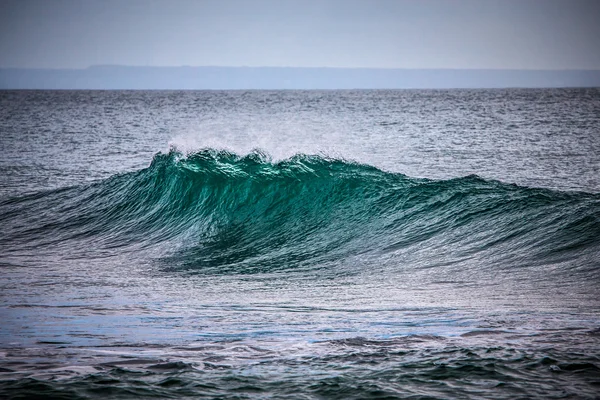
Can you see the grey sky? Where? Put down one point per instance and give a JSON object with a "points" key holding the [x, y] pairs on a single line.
{"points": [[531, 34]]}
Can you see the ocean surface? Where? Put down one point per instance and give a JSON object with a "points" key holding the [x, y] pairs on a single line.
{"points": [[300, 244]]}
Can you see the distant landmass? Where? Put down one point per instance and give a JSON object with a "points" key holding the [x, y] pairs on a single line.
{"points": [[198, 78]]}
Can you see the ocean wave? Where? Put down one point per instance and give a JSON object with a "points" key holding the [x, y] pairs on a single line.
{"points": [[222, 212]]}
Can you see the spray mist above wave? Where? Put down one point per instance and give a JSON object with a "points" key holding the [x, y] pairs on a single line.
{"points": [[223, 212]]}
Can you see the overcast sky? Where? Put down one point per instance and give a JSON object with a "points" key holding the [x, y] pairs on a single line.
{"points": [[530, 34]]}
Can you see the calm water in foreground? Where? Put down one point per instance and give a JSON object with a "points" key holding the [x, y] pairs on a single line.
{"points": [[334, 244]]}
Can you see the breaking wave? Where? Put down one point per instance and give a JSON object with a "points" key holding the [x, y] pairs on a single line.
{"points": [[220, 212]]}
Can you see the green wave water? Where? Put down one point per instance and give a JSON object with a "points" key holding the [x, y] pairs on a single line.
{"points": [[226, 213]]}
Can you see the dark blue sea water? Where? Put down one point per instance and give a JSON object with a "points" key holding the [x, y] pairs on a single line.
{"points": [[289, 244]]}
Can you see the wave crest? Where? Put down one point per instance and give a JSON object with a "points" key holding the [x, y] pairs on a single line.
{"points": [[223, 212]]}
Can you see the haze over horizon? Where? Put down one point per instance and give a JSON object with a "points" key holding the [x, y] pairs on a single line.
{"points": [[434, 34]]}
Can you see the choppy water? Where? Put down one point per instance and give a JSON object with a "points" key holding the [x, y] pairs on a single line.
{"points": [[335, 244]]}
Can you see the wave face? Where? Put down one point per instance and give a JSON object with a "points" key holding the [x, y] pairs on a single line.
{"points": [[219, 212]]}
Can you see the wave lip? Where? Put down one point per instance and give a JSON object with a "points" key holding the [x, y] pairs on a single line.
{"points": [[222, 212]]}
